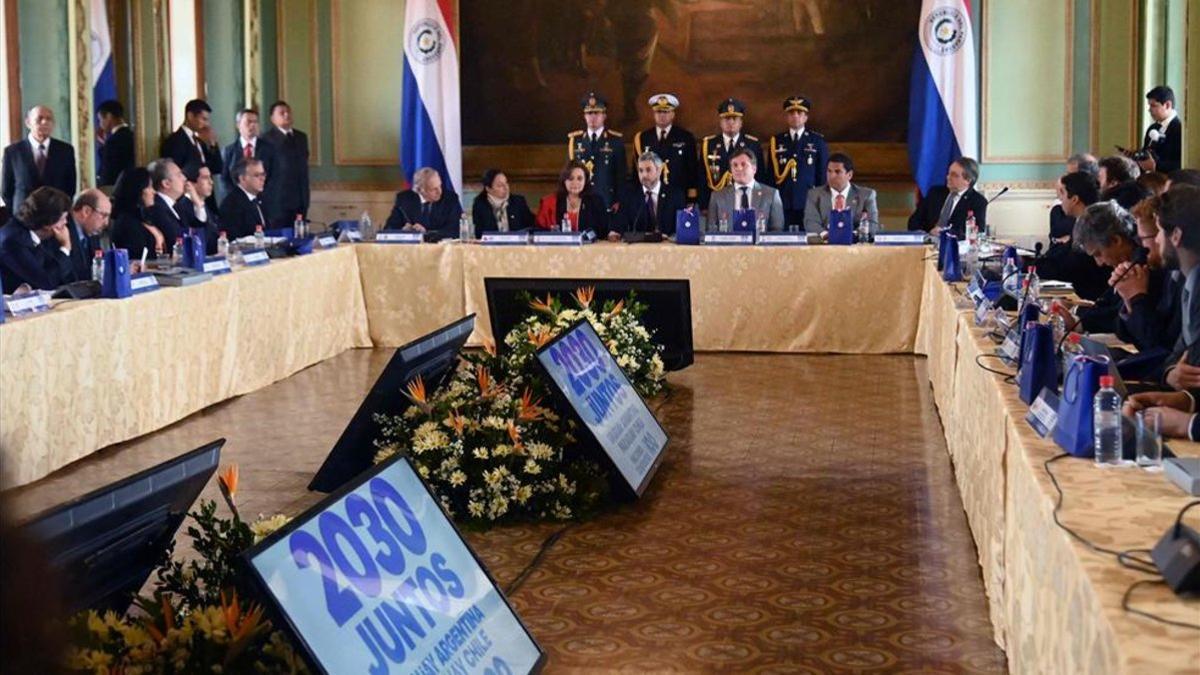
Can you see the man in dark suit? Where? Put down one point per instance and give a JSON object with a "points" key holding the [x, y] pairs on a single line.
{"points": [[1164, 138], [172, 214], [646, 205], [289, 192], [242, 209], [798, 158], [1062, 261], [247, 146], [715, 151], [116, 149], [194, 144], [674, 145], [35, 246], [601, 150], [89, 217], [427, 207], [37, 160], [947, 206]]}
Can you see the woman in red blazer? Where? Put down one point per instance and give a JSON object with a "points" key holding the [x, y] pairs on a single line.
{"points": [[575, 200]]}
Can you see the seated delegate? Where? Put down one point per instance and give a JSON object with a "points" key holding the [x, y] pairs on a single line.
{"points": [[646, 205], [132, 198], [576, 201], [839, 194], [745, 192], [427, 207], [35, 244], [947, 206], [497, 209]]}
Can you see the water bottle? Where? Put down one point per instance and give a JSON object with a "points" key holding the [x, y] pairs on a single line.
{"points": [[864, 228], [465, 231], [972, 231], [760, 224], [565, 225], [1070, 349], [1106, 424], [223, 245], [365, 228], [1010, 275], [298, 227], [260, 240], [98, 267], [177, 252], [1035, 284], [723, 224]]}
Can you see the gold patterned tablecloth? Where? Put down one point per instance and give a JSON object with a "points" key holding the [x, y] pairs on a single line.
{"points": [[92, 373], [859, 300], [1055, 604], [410, 290]]}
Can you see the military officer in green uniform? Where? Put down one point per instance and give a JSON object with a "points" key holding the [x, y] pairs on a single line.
{"points": [[716, 149], [601, 150], [675, 145], [798, 158]]}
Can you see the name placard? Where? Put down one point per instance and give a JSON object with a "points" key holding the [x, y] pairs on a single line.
{"points": [[400, 237], [27, 303], [143, 283], [728, 238], [1043, 414], [1010, 348], [899, 238], [326, 241], [505, 238], [559, 238], [353, 235], [254, 257], [218, 265], [377, 579], [983, 311], [782, 239]]}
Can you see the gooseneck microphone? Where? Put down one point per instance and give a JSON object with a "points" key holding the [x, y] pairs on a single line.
{"points": [[998, 195]]}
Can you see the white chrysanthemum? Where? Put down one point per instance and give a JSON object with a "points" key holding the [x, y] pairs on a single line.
{"points": [[385, 452], [264, 526], [523, 494], [501, 450], [495, 422], [475, 508], [423, 470], [480, 453], [458, 478], [531, 467], [539, 450]]}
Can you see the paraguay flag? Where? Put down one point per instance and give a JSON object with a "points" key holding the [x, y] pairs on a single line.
{"points": [[943, 113], [430, 119], [104, 79]]}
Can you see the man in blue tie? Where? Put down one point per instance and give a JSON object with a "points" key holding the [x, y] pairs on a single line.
{"points": [[89, 216]]}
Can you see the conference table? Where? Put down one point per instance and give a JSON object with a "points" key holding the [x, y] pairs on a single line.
{"points": [[92, 373]]}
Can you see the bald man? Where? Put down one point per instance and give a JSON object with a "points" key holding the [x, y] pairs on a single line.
{"points": [[37, 160], [88, 219]]}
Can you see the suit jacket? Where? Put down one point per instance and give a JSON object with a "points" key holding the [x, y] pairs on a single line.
{"points": [[180, 148], [129, 233], [633, 216], [239, 217], [175, 223], [517, 210], [83, 252], [289, 189], [1153, 319], [820, 204], [929, 207], [714, 162], [605, 158], [441, 216], [116, 155], [1168, 150], [593, 214], [797, 166], [681, 172], [1064, 262], [41, 265], [764, 199], [21, 174], [231, 156]]}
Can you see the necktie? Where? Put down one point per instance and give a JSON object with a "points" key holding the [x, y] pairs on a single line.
{"points": [[728, 143], [258, 207], [199, 149], [662, 135], [40, 159], [502, 218], [745, 200], [650, 204], [1189, 327], [795, 137], [425, 213], [947, 209], [248, 151], [839, 204]]}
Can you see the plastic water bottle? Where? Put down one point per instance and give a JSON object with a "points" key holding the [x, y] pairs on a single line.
{"points": [[260, 240], [760, 224], [1035, 284], [298, 227], [565, 225], [864, 228], [1106, 424], [223, 245], [723, 224], [98, 266], [1010, 275], [466, 232], [972, 231], [1070, 349], [365, 228], [177, 251]]}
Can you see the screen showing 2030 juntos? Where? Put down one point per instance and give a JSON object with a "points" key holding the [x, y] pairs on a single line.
{"points": [[597, 388], [378, 581]]}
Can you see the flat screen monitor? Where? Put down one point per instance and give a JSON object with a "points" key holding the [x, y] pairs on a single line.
{"points": [[596, 388], [376, 578], [103, 546], [433, 358], [668, 302]]}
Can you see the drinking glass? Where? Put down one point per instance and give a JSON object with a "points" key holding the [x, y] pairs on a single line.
{"points": [[1149, 441]]}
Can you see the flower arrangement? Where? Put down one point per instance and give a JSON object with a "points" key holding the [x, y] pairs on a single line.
{"points": [[487, 444], [196, 618]]}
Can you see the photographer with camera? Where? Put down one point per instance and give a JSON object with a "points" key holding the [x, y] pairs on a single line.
{"points": [[1162, 146]]}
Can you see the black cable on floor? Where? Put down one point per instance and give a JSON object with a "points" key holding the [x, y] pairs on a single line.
{"points": [[1153, 617], [1121, 556], [547, 544]]}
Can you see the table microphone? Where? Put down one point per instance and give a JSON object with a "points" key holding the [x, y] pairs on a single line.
{"points": [[998, 195]]}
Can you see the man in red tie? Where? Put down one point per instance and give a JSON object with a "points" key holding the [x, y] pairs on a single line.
{"points": [[37, 160], [194, 143], [249, 145]]}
